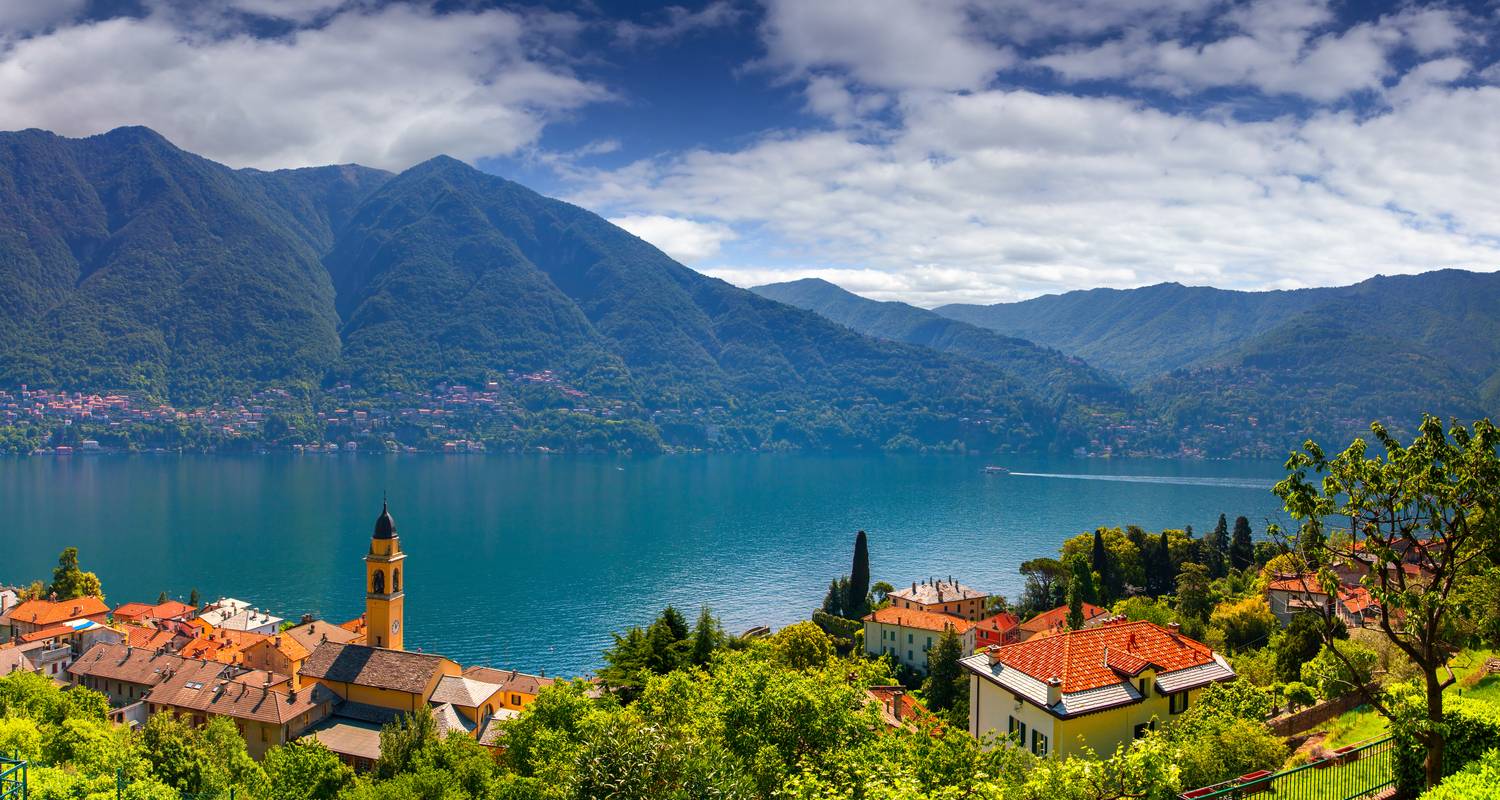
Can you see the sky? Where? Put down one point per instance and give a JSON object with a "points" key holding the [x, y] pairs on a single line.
{"points": [[931, 151]]}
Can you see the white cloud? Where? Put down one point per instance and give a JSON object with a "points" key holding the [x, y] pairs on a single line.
{"points": [[387, 88], [995, 195], [683, 239], [897, 44], [1275, 46]]}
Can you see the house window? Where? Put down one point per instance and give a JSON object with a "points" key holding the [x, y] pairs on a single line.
{"points": [[1178, 702], [1018, 731], [1144, 691], [1038, 744], [1142, 729], [909, 638], [910, 657], [929, 643]]}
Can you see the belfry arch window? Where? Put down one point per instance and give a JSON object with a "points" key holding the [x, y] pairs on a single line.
{"points": [[378, 586], [395, 580]]}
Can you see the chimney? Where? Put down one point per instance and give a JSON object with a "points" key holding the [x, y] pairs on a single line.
{"points": [[896, 705], [1173, 627], [1054, 691]]}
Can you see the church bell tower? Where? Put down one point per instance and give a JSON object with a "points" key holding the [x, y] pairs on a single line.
{"points": [[384, 600]]}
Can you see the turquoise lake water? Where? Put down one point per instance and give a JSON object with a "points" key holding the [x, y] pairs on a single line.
{"points": [[530, 561]]}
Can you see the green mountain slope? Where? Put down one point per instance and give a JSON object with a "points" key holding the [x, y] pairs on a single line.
{"points": [[1140, 333], [1080, 393], [128, 263], [450, 273], [1390, 348]]}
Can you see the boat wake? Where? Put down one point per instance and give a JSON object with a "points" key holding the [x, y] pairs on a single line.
{"points": [[1225, 483]]}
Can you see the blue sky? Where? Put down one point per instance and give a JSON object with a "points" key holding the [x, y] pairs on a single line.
{"points": [[925, 150]]}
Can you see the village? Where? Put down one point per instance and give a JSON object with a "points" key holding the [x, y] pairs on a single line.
{"points": [[1067, 681]]}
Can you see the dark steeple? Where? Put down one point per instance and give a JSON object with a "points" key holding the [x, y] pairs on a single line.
{"points": [[385, 527]]}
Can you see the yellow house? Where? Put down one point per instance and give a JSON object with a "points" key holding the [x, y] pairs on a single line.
{"points": [[518, 689], [1097, 687]]}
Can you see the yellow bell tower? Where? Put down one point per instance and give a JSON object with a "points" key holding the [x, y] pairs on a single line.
{"points": [[384, 600]]}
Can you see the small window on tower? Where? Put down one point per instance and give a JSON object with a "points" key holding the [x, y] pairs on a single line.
{"points": [[378, 584], [396, 580]]}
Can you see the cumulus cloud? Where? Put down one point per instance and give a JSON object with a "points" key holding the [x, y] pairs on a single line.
{"points": [[386, 87], [1009, 193], [683, 239], [901, 44], [1274, 46]]}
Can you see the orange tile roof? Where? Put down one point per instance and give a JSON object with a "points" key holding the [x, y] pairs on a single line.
{"points": [[1307, 584], [147, 638], [1058, 618], [916, 618], [1000, 623], [1100, 656], [171, 609], [200, 648], [132, 611], [47, 633], [48, 612]]}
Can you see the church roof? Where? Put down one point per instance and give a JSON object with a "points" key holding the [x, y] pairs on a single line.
{"points": [[385, 526]]}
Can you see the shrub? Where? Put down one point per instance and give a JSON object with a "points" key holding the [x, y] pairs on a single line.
{"points": [[1479, 780], [1332, 678]]}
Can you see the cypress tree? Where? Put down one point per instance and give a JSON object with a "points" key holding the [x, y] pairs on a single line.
{"points": [[1241, 548], [856, 604], [945, 682]]}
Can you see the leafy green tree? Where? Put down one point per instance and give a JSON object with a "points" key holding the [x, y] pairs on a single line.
{"points": [[857, 603], [802, 645], [1241, 545], [193, 598], [1300, 643], [161, 598], [1144, 608], [945, 684], [1102, 567], [1419, 517], [70, 582], [708, 636], [1246, 623], [881, 590], [1046, 586], [1216, 548], [1193, 598], [1334, 675], [405, 741], [1080, 591], [838, 593]]}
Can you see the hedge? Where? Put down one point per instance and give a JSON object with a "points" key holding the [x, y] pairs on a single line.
{"points": [[1473, 731]]}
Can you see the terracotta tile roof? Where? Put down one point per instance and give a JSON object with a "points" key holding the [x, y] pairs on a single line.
{"points": [[349, 737], [917, 618], [397, 670], [201, 647], [46, 633], [148, 638], [493, 730], [312, 634], [1305, 584], [47, 612], [203, 686], [1094, 657], [512, 680], [1000, 623], [1057, 618], [172, 609], [132, 611], [897, 707]]}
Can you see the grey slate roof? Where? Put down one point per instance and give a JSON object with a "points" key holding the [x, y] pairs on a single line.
{"points": [[1194, 677], [462, 691]]}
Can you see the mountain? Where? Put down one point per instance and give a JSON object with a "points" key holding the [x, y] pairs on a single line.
{"points": [[1232, 371], [1044, 372], [129, 264], [1139, 333]]}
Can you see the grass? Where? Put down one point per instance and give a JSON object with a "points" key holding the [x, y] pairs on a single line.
{"points": [[1363, 723]]}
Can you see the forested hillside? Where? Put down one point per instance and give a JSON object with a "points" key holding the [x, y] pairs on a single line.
{"points": [[127, 264]]}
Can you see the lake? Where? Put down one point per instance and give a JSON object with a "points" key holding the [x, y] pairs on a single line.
{"points": [[531, 561]]}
